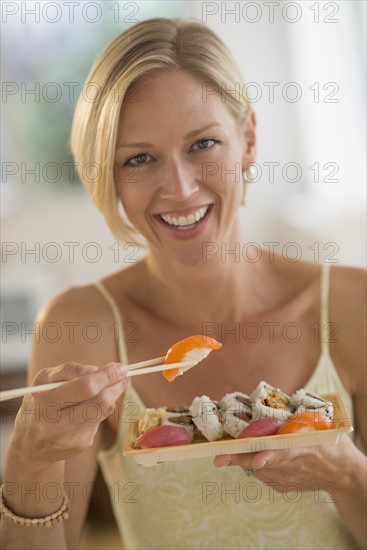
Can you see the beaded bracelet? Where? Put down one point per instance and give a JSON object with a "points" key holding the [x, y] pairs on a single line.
{"points": [[47, 521]]}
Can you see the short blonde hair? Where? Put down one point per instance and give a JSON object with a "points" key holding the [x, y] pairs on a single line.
{"points": [[144, 50]]}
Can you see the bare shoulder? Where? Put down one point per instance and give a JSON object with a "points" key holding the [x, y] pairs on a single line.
{"points": [[348, 298], [294, 277], [347, 309], [86, 303], [348, 284], [77, 325], [74, 304]]}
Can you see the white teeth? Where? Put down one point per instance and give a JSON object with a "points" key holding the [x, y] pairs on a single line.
{"points": [[183, 221]]}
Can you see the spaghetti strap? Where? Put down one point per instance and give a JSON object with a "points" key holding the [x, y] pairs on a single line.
{"points": [[324, 308], [122, 352]]}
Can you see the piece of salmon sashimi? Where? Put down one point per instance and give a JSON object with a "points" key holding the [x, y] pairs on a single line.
{"points": [[193, 348]]}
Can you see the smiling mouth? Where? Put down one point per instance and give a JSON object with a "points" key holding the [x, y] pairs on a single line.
{"points": [[184, 223]]}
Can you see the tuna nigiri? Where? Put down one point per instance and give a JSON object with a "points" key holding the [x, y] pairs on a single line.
{"points": [[163, 436], [193, 348]]}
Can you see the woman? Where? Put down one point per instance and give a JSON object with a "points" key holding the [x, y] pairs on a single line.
{"points": [[165, 121]]}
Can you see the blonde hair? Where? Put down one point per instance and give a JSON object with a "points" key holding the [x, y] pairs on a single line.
{"points": [[142, 51]]}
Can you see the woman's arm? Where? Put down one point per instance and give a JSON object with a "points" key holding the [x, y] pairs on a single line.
{"points": [[352, 493], [28, 496], [348, 309], [46, 455]]}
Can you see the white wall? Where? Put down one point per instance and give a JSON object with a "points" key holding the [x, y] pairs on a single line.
{"points": [[311, 130], [304, 132]]}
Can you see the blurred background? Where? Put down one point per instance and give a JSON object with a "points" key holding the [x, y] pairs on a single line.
{"points": [[304, 67]]}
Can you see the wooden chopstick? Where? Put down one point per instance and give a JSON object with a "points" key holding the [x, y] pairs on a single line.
{"points": [[155, 361], [19, 392], [135, 367], [159, 368]]}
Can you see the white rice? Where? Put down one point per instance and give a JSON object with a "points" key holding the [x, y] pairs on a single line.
{"points": [[303, 400], [205, 415], [260, 410], [232, 410]]}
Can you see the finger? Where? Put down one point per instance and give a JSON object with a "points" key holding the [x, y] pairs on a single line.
{"points": [[86, 387], [100, 406], [263, 458], [222, 460], [270, 459], [66, 371], [244, 460], [91, 385], [70, 416]]}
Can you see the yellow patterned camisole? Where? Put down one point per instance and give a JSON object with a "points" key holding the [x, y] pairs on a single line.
{"points": [[194, 505]]}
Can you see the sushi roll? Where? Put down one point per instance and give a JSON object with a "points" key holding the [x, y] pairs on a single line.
{"points": [[270, 402], [181, 417], [236, 411], [303, 400], [207, 417]]}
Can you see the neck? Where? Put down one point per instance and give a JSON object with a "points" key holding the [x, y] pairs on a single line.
{"points": [[225, 286]]}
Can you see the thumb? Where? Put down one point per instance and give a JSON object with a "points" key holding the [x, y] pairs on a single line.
{"points": [[262, 458]]}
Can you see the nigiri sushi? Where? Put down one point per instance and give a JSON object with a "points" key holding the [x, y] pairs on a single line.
{"points": [[261, 428], [180, 417], [163, 436], [193, 348]]}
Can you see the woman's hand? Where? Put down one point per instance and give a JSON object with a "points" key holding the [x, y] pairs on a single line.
{"points": [[307, 468], [50, 427], [55, 425]]}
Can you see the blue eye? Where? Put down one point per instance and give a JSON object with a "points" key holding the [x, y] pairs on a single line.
{"points": [[206, 143], [137, 160]]}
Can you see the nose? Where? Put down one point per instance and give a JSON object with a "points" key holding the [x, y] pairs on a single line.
{"points": [[179, 182]]}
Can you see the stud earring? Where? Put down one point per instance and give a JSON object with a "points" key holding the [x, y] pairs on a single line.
{"points": [[250, 173]]}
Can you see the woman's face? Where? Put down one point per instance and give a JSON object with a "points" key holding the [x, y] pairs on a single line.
{"points": [[179, 156]]}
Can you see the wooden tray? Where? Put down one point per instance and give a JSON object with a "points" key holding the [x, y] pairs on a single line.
{"points": [[150, 457]]}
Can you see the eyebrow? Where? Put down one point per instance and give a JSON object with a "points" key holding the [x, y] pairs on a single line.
{"points": [[187, 136]]}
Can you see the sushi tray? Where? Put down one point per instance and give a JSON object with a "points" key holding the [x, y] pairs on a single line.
{"points": [[229, 445]]}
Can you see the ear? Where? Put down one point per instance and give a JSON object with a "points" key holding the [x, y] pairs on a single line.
{"points": [[249, 132]]}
